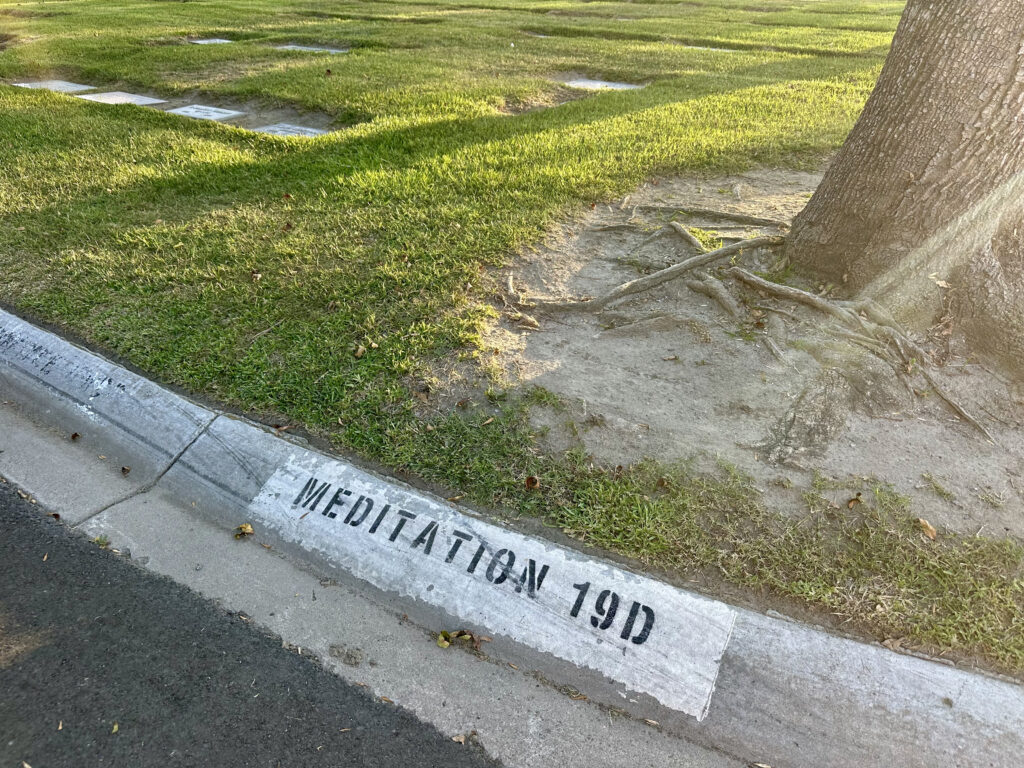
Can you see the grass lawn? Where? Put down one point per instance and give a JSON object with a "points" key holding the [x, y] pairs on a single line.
{"points": [[314, 279]]}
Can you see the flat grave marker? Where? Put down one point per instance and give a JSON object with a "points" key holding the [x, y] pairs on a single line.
{"points": [[120, 97], [287, 129], [211, 41], [310, 49], [600, 85], [201, 112], [60, 86]]}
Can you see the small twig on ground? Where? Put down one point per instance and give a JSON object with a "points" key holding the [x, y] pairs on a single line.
{"points": [[655, 279], [264, 332], [688, 236]]}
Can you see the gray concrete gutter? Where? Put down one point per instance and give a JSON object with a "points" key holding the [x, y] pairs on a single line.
{"points": [[688, 675]]}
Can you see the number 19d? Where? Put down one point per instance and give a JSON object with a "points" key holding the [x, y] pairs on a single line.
{"points": [[607, 607]]}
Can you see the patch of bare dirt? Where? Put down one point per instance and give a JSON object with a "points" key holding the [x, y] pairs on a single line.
{"points": [[706, 366]]}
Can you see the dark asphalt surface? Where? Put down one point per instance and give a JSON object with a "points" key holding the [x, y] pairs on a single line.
{"points": [[88, 640]]}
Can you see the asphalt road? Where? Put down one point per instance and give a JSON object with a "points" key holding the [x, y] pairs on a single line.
{"points": [[104, 664]]}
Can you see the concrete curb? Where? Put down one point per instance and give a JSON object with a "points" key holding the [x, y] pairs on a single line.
{"points": [[787, 694]]}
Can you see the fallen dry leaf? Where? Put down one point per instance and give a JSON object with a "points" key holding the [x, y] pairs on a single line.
{"points": [[386, 700], [125, 470], [245, 529], [532, 483], [854, 502], [359, 351], [460, 739], [114, 730], [927, 528], [75, 436], [489, 421]]}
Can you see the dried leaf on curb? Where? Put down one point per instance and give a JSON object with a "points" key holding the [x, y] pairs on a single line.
{"points": [[759, 765], [446, 638], [460, 739], [655, 723], [927, 528], [386, 700], [125, 470], [854, 501], [245, 529], [460, 497]]}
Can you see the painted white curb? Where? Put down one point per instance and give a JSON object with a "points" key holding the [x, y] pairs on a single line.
{"points": [[783, 688]]}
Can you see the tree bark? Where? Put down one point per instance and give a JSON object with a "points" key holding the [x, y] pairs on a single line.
{"points": [[928, 190]]}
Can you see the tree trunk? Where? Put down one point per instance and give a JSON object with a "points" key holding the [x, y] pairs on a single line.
{"points": [[923, 208]]}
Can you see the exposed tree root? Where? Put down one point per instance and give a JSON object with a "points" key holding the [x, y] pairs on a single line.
{"points": [[687, 235], [655, 279], [710, 213], [716, 290], [873, 335]]}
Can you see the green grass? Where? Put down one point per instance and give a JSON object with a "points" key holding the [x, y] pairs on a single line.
{"points": [[249, 267]]}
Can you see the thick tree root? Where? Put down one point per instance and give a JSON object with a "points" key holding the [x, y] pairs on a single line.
{"points": [[710, 213], [655, 279]]}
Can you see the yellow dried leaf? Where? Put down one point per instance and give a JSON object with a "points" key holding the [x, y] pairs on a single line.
{"points": [[927, 528], [245, 529], [114, 730]]}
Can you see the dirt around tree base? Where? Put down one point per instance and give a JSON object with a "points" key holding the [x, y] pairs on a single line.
{"points": [[706, 367]]}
